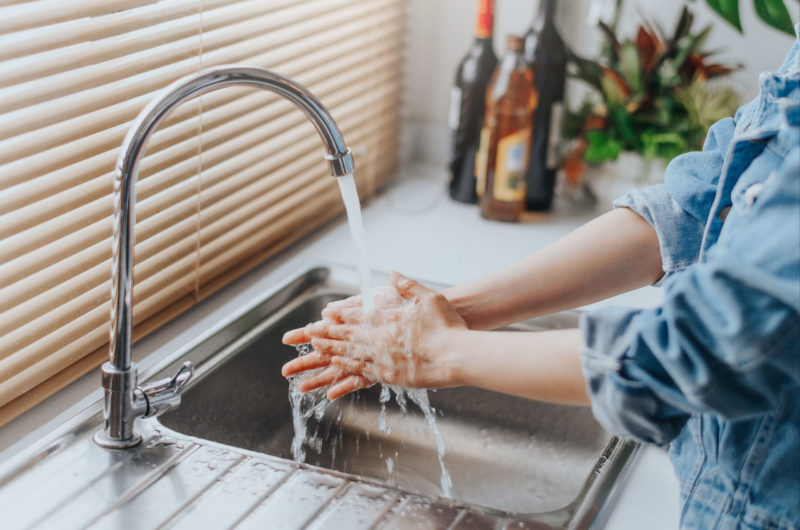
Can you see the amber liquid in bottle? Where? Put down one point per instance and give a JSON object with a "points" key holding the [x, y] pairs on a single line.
{"points": [[505, 138]]}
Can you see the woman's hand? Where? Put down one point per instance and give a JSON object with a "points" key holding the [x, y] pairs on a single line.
{"points": [[403, 342]]}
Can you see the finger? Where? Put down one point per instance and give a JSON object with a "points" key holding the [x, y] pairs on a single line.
{"points": [[407, 288], [330, 346], [296, 336], [333, 309], [340, 331], [348, 384], [322, 378], [311, 361], [352, 301], [344, 314], [328, 330], [356, 366]]}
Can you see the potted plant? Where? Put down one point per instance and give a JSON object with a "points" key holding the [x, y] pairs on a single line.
{"points": [[652, 98]]}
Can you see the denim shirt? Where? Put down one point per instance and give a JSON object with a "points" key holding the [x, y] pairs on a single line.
{"points": [[714, 371]]}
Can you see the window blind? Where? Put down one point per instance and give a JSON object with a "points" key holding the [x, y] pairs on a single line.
{"points": [[229, 179]]}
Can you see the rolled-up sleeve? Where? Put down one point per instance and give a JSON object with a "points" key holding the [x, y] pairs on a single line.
{"points": [[724, 341], [678, 209]]}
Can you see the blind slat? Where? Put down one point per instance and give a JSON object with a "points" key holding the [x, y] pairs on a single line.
{"points": [[45, 12], [32, 41]]}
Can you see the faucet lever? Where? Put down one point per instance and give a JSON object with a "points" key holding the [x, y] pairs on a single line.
{"points": [[164, 395]]}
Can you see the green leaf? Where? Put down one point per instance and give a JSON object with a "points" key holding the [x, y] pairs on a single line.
{"points": [[586, 70], [574, 121], [662, 145], [613, 43], [684, 24], [615, 89], [729, 10], [699, 40], [630, 67], [774, 13], [621, 124], [601, 147]]}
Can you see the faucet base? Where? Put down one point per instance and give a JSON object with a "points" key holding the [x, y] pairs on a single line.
{"points": [[103, 440]]}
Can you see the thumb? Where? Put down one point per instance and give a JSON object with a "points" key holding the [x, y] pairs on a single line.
{"points": [[407, 288]]}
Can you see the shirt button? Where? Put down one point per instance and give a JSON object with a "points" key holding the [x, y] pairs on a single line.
{"points": [[752, 193], [723, 213]]}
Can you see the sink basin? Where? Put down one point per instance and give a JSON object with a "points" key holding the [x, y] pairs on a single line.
{"points": [[506, 455]]}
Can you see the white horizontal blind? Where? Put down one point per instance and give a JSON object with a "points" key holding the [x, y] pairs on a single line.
{"points": [[228, 180]]}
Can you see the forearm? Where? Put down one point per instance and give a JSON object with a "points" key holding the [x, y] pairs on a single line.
{"points": [[612, 254], [543, 365]]}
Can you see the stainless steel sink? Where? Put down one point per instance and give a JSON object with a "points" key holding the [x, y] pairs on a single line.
{"points": [[508, 457]]}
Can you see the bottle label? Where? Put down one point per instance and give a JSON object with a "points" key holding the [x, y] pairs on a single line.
{"points": [[485, 22], [553, 160], [454, 115], [482, 161], [509, 175]]}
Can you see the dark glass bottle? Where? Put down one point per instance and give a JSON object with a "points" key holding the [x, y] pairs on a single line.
{"points": [[546, 54], [467, 105], [505, 137]]}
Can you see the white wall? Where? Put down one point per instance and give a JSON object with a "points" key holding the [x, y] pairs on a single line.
{"points": [[440, 31]]}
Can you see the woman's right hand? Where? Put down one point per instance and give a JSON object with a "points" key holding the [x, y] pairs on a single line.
{"points": [[402, 342]]}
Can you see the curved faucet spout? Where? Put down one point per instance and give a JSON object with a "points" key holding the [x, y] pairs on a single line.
{"points": [[124, 400]]}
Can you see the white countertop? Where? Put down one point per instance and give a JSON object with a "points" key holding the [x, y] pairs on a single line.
{"points": [[416, 229]]}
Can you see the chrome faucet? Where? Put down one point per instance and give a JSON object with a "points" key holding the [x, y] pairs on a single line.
{"points": [[125, 400]]}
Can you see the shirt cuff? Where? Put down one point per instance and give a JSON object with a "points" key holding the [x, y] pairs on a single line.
{"points": [[623, 405]]}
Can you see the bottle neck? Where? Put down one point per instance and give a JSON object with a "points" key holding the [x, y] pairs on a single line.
{"points": [[545, 15], [485, 21]]}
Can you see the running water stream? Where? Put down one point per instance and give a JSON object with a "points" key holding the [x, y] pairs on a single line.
{"points": [[347, 185], [315, 402]]}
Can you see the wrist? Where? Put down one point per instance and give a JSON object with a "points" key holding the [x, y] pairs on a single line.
{"points": [[464, 304], [444, 348], [454, 353]]}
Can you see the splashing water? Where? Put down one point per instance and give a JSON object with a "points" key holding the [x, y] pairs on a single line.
{"points": [[314, 403], [303, 407], [383, 399], [347, 186], [420, 397]]}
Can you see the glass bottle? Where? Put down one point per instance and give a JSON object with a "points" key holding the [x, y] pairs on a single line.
{"points": [[467, 105], [505, 137], [546, 55]]}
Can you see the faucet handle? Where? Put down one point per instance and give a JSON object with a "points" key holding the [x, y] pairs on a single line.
{"points": [[182, 376], [164, 395]]}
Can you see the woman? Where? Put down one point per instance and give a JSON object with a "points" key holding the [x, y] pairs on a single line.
{"points": [[713, 372]]}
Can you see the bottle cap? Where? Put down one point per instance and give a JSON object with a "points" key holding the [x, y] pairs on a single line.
{"points": [[515, 43]]}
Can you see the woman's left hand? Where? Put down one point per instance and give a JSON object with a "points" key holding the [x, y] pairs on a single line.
{"points": [[403, 342]]}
